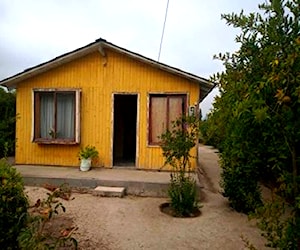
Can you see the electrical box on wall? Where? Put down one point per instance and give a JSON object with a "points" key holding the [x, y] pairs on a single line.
{"points": [[192, 111]]}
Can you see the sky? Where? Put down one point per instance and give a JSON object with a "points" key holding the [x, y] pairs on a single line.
{"points": [[35, 31]]}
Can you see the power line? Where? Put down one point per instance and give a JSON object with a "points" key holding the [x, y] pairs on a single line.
{"points": [[163, 31]]}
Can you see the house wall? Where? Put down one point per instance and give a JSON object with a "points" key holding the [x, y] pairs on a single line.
{"points": [[99, 78]]}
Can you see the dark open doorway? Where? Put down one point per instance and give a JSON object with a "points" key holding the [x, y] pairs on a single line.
{"points": [[125, 118]]}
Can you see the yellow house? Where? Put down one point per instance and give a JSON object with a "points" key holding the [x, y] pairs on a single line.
{"points": [[101, 95]]}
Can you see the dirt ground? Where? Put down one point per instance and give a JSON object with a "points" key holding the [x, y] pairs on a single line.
{"points": [[137, 222]]}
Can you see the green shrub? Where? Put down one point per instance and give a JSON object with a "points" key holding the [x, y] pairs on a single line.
{"points": [[211, 131], [279, 224], [7, 122], [279, 218], [183, 195], [13, 205], [36, 234], [241, 188], [176, 145]]}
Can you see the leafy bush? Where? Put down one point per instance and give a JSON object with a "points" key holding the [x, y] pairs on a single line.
{"points": [[35, 234], [7, 122], [13, 206], [176, 145], [280, 224], [21, 229], [212, 132], [183, 195], [241, 188], [258, 113]]}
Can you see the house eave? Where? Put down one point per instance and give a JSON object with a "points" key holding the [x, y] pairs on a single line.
{"points": [[100, 45]]}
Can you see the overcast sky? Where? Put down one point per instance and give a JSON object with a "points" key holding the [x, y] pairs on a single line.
{"points": [[35, 31]]}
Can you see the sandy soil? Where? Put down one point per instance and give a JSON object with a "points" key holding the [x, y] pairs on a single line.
{"points": [[137, 223]]}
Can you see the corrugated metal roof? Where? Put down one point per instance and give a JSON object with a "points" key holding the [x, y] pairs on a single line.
{"points": [[100, 45]]}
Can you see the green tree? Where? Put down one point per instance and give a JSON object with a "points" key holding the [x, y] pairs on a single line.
{"points": [[260, 91], [259, 108], [7, 122], [211, 130]]}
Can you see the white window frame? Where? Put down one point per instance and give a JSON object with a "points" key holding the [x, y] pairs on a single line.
{"points": [[76, 140]]}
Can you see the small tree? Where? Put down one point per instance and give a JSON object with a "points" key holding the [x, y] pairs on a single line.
{"points": [[176, 145]]}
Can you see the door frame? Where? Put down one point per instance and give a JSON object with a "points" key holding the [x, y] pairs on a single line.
{"points": [[137, 126]]}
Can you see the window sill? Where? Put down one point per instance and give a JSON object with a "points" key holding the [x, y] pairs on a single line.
{"points": [[156, 145], [58, 142]]}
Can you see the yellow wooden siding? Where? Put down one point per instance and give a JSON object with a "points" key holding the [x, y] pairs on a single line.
{"points": [[99, 78]]}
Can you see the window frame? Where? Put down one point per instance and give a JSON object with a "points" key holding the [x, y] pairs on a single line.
{"points": [[36, 138], [184, 96]]}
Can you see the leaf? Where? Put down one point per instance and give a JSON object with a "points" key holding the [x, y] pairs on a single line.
{"points": [[261, 114], [279, 94]]}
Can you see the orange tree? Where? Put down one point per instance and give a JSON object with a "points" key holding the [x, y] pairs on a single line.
{"points": [[259, 109]]}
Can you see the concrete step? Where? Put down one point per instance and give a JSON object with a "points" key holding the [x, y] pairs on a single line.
{"points": [[109, 191]]}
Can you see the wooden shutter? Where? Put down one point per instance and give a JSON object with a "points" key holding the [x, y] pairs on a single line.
{"points": [[158, 119], [175, 109]]}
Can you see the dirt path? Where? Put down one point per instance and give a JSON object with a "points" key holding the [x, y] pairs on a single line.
{"points": [[137, 223]]}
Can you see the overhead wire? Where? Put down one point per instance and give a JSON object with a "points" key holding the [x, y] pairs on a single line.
{"points": [[163, 31]]}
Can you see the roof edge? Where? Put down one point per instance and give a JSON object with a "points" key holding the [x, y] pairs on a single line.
{"points": [[11, 82]]}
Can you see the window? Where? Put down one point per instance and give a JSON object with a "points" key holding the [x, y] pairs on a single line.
{"points": [[163, 110], [56, 116]]}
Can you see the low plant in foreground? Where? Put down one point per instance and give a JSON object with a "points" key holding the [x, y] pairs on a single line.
{"points": [[36, 234], [183, 194], [176, 145], [13, 205]]}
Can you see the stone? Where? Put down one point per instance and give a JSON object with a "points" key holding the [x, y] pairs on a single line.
{"points": [[109, 191]]}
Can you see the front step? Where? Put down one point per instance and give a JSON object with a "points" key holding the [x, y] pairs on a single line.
{"points": [[109, 191]]}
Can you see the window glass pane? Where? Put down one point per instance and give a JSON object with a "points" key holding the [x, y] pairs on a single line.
{"points": [[65, 115], [46, 114], [158, 123]]}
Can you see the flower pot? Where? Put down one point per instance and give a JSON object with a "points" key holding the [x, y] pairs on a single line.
{"points": [[85, 164]]}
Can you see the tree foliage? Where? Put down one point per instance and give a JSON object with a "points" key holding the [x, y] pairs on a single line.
{"points": [[7, 122], [257, 113]]}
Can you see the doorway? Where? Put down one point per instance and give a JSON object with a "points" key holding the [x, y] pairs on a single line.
{"points": [[124, 139]]}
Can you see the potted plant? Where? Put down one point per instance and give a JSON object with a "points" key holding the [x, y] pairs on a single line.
{"points": [[86, 155]]}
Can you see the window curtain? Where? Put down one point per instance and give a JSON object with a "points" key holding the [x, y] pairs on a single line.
{"points": [[65, 115], [47, 115]]}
